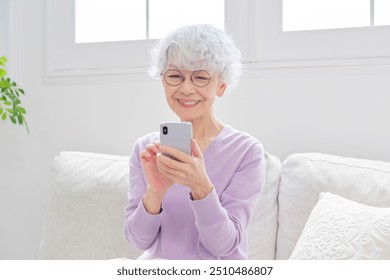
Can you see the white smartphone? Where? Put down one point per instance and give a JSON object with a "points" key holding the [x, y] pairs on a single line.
{"points": [[177, 135]]}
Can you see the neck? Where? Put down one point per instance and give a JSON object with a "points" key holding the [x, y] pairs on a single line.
{"points": [[206, 128]]}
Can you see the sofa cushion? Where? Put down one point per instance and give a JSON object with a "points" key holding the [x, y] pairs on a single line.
{"points": [[84, 218], [85, 212], [339, 228], [305, 176], [264, 223]]}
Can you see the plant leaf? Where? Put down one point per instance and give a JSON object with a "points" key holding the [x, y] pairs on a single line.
{"points": [[15, 91], [9, 98]]}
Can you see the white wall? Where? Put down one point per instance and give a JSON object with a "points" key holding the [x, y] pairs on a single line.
{"points": [[337, 110]]}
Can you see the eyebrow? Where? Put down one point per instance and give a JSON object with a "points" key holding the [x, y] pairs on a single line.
{"points": [[174, 66]]}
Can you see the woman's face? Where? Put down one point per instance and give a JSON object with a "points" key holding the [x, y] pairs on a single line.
{"points": [[187, 100]]}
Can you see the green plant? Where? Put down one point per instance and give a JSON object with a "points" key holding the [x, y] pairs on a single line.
{"points": [[10, 98]]}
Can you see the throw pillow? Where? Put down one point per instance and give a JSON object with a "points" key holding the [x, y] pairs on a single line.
{"points": [[338, 228]]}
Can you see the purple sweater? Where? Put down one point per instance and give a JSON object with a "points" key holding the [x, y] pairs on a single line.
{"points": [[211, 228]]}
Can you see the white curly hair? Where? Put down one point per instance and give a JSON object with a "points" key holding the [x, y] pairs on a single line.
{"points": [[197, 47]]}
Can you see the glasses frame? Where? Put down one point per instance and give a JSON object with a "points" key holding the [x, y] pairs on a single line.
{"points": [[163, 75]]}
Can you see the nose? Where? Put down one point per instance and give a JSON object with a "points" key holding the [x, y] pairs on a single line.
{"points": [[187, 87]]}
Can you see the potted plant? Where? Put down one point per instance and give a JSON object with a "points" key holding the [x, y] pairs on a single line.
{"points": [[10, 104]]}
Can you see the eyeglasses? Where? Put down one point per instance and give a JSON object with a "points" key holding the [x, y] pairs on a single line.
{"points": [[199, 78]]}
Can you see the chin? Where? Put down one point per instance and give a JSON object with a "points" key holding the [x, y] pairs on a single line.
{"points": [[188, 116]]}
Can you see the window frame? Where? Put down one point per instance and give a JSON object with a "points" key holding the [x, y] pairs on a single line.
{"points": [[66, 58], [3, 28], [9, 35], [327, 45], [256, 26]]}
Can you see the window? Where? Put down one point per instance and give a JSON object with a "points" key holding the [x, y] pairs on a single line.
{"points": [[109, 20], [123, 20], [330, 14], [341, 46], [382, 12], [167, 15], [94, 39], [256, 26]]}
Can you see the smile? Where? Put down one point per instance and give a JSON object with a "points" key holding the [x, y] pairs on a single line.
{"points": [[188, 103]]}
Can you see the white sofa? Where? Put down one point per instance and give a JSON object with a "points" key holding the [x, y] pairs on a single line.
{"points": [[88, 192]]}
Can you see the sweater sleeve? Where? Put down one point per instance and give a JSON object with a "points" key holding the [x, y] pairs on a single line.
{"points": [[141, 228], [222, 221]]}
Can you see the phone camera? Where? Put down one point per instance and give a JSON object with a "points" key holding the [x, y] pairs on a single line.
{"points": [[165, 130]]}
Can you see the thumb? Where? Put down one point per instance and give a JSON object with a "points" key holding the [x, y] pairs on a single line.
{"points": [[196, 152]]}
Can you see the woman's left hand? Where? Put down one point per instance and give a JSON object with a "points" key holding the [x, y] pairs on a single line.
{"points": [[187, 170]]}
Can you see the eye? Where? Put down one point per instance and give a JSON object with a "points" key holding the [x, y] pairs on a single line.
{"points": [[201, 76], [174, 76]]}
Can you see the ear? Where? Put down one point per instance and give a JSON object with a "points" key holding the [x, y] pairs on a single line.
{"points": [[221, 89]]}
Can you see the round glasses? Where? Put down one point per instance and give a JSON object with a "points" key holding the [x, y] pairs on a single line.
{"points": [[199, 78]]}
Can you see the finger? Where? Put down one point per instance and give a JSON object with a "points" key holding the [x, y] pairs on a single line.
{"points": [[179, 155], [157, 143], [145, 157], [145, 154], [152, 147], [196, 152], [163, 168], [174, 175], [166, 170], [169, 162]]}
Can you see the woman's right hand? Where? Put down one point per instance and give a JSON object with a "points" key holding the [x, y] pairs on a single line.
{"points": [[158, 184]]}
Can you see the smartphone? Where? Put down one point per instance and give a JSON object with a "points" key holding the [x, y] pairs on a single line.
{"points": [[177, 135]]}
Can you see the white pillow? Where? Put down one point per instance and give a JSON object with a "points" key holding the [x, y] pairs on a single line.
{"points": [[338, 228]]}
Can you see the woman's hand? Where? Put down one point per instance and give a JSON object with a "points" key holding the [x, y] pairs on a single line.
{"points": [[186, 170], [158, 183]]}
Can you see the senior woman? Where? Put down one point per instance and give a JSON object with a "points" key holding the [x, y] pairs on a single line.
{"points": [[198, 206]]}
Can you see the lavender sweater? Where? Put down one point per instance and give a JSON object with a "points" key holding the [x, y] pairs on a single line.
{"points": [[211, 228]]}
